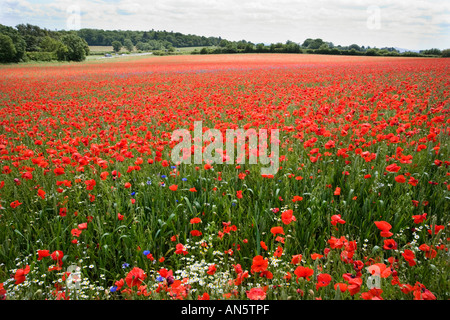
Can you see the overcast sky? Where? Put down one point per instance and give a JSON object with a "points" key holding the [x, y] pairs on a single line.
{"points": [[409, 24]]}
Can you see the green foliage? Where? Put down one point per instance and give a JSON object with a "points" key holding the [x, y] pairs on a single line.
{"points": [[117, 45], [77, 48], [7, 49], [432, 52], [18, 41], [128, 44], [42, 56], [446, 53], [49, 44]]}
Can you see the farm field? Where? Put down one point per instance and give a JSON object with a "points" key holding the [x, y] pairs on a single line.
{"points": [[92, 206]]}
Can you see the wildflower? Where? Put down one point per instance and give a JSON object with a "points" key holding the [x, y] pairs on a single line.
{"points": [[390, 244], [15, 204], [384, 227], [337, 191], [354, 285], [20, 275], [335, 219], [419, 218], [211, 270], [410, 257], [263, 245], [287, 217], [393, 168], [256, 294], [278, 252], [205, 296], [277, 230], [195, 220], [323, 280], [43, 254], [181, 249], [303, 272], [296, 259], [259, 264], [135, 277]]}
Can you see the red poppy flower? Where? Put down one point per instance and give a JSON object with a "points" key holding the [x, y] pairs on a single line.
{"points": [[277, 230], [335, 219], [205, 296], [256, 294], [393, 168], [390, 244], [287, 216], [259, 264], [419, 218], [296, 259], [211, 269], [20, 275], [303, 272], [263, 245], [43, 254], [135, 277], [278, 252], [41, 193], [410, 257], [384, 227], [15, 204], [337, 191]]}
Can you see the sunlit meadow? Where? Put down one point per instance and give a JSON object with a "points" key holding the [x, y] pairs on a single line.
{"points": [[92, 207]]}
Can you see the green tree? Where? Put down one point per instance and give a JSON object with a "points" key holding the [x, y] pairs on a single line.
{"points": [[77, 48], [128, 44], [117, 45], [445, 53], [48, 44], [312, 44], [18, 41], [433, 51], [354, 46], [7, 49]]}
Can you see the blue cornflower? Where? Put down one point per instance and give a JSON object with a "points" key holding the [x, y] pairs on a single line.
{"points": [[133, 193], [173, 167], [149, 182], [146, 252], [125, 265], [233, 204], [113, 289], [163, 176], [160, 279], [184, 179]]}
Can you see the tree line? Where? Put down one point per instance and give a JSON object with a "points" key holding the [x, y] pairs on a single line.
{"points": [[28, 42], [315, 46]]}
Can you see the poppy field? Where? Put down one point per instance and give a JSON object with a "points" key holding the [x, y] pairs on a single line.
{"points": [[92, 206]]}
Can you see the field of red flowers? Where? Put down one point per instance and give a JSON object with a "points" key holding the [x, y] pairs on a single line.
{"points": [[93, 207]]}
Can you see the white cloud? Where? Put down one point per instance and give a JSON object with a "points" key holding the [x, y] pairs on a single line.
{"points": [[414, 24]]}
